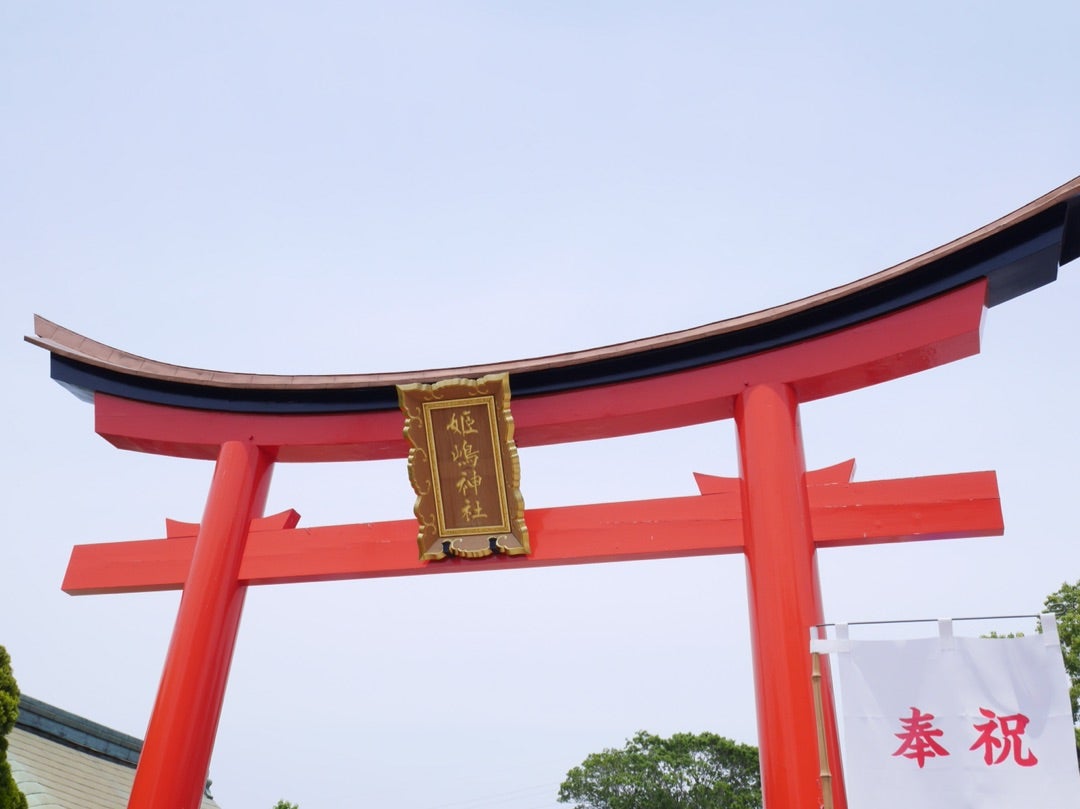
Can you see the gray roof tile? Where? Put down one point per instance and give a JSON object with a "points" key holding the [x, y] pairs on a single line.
{"points": [[62, 761]]}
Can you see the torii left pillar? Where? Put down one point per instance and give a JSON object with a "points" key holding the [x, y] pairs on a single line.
{"points": [[180, 736]]}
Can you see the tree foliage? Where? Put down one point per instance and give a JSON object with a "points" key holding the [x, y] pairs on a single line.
{"points": [[10, 796], [686, 771], [1065, 603], [285, 805]]}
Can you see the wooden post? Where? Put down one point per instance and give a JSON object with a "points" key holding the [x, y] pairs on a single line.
{"points": [[822, 746], [785, 599], [180, 737]]}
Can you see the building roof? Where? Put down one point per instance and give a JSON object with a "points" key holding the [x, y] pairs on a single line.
{"points": [[63, 761]]}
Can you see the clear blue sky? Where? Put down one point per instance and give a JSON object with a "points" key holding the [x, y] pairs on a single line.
{"points": [[287, 187]]}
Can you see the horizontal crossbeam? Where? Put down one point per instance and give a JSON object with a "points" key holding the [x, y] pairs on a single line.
{"points": [[938, 507], [906, 341]]}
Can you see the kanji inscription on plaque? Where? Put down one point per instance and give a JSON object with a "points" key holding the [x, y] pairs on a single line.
{"points": [[464, 467]]}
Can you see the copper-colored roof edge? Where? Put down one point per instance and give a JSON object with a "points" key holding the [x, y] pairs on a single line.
{"points": [[69, 344]]}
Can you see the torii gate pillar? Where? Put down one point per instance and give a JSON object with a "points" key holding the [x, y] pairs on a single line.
{"points": [[180, 736], [784, 596]]}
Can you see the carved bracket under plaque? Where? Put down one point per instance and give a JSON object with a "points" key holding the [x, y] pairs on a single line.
{"points": [[464, 467]]}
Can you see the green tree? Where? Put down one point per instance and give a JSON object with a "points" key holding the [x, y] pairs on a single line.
{"points": [[687, 771], [1065, 603], [285, 805], [10, 796]]}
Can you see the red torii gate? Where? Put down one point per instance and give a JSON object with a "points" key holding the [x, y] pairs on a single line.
{"points": [[756, 370]]}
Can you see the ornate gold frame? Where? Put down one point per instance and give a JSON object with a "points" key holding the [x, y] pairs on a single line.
{"points": [[464, 467]]}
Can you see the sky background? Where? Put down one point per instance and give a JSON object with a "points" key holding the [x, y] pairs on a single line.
{"points": [[293, 188]]}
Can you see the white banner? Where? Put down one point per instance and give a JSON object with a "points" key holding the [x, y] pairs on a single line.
{"points": [[956, 723]]}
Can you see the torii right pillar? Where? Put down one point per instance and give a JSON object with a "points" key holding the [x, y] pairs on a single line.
{"points": [[783, 592]]}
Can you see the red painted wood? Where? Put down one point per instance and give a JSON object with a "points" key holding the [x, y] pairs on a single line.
{"points": [[645, 529], [932, 333], [937, 507], [785, 599], [932, 507], [283, 519], [180, 738], [761, 391], [837, 473]]}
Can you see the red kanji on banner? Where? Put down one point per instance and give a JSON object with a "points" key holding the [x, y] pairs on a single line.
{"points": [[1012, 727], [918, 739]]}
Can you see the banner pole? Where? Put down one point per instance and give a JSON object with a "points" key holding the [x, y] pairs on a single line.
{"points": [[823, 754]]}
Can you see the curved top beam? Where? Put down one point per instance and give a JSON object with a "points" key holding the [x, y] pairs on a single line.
{"points": [[1017, 253], [918, 337]]}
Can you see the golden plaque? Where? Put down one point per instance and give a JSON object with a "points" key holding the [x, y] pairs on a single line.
{"points": [[463, 466]]}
